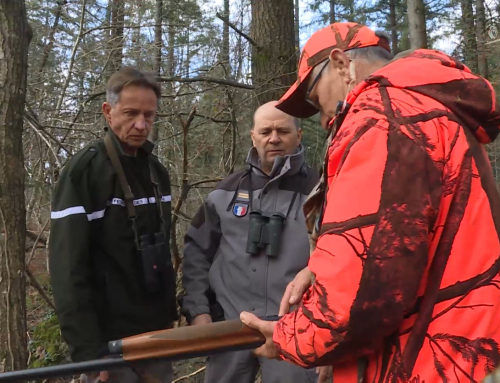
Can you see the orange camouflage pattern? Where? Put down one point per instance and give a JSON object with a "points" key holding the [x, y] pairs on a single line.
{"points": [[407, 261], [343, 36]]}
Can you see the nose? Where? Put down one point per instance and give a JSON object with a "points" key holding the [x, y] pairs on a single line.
{"points": [[140, 123], [275, 137]]}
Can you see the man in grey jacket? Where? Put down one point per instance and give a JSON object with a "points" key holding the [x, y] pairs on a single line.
{"points": [[248, 241]]}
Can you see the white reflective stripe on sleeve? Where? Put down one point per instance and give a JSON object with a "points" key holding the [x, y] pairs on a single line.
{"points": [[96, 215], [69, 211], [117, 201], [141, 201]]}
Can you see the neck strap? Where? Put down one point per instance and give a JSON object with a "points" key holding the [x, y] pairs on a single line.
{"points": [[117, 165]]}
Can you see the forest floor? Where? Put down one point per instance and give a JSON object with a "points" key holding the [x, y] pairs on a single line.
{"points": [[45, 344]]}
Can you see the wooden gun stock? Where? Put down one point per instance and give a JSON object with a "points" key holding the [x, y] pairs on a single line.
{"points": [[183, 342], [170, 344]]}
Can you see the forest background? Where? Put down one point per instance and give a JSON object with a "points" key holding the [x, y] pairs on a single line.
{"points": [[217, 60]]}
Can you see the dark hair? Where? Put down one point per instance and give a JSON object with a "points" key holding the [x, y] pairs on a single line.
{"points": [[130, 76]]}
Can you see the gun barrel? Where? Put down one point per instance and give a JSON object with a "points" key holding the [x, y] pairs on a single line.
{"points": [[63, 370]]}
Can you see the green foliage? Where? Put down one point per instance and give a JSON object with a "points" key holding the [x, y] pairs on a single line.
{"points": [[47, 346]]}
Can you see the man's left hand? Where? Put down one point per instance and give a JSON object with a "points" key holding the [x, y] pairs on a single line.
{"points": [[268, 349]]}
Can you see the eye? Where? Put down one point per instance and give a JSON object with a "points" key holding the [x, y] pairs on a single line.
{"points": [[283, 131]]}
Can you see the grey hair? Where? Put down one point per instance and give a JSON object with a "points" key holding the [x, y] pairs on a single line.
{"points": [[112, 97], [296, 122], [373, 53]]}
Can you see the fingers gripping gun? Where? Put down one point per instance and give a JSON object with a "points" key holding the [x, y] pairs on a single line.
{"points": [[171, 344]]}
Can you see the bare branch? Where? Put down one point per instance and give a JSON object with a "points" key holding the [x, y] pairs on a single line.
{"points": [[73, 55], [189, 375], [205, 181], [37, 239], [185, 187], [235, 28], [39, 288], [219, 81]]}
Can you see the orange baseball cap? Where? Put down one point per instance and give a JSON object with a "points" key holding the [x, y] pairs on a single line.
{"points": [[344, 36]]}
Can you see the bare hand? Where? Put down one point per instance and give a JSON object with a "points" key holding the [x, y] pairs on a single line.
{"points": [[268, 349], [295, 290], [103, 376], [201, 319], [324, 372]]}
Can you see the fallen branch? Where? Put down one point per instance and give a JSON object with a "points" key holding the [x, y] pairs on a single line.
{"points": [[37, 239], [34, 236], [189, 375], [39, 288]]}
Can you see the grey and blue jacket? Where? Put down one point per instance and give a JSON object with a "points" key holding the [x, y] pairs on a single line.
{"points": [[217, 269]]}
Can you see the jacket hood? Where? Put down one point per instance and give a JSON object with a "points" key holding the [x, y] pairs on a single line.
{"points": [[290, 164], [469, 97]]}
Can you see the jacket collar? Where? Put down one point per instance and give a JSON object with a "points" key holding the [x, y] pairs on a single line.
{"points": [[147, 147], [289, 164]]}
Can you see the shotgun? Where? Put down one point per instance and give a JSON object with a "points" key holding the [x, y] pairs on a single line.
{"points": [[171, 344]]}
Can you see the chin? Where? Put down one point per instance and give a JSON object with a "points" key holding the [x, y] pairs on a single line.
{"points": [[136, 143]]}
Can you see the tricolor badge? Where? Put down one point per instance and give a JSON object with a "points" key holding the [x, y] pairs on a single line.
{"points": [[240, 209]]}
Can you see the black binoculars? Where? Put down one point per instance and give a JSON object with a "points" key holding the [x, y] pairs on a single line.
{"points": [[265, 232], [155, 258]]}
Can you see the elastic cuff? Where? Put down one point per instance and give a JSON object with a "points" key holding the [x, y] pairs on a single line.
{"points": [[194, 312]]}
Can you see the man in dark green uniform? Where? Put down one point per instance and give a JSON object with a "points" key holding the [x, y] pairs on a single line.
{"points": [[109, 256]]}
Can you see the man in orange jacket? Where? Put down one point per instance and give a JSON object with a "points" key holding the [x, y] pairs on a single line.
{"points": [[403, 283]]}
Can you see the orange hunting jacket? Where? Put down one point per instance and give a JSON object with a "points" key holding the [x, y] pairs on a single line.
{"points": [[407, 285]]}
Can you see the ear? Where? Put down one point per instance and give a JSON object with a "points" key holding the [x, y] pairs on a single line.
{"points": [[106, 111], [299, 135], [339, 61], [252, 133]]}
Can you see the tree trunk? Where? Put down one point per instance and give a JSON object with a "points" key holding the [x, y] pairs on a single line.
{"points": [[404, 42], [158, 36], [393, 26], [170, 67], [416, 23], [225, 39], [15, 36], [469, 35], [187, 63], [296, 13], [224, 59], [273, 64], [116, 39], [332, 11], [170, 18], [154, 134], [480, 35]]}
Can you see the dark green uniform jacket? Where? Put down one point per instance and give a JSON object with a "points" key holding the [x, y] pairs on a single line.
{"points": [[96, 271]]}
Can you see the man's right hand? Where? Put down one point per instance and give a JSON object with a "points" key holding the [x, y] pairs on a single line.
{"points": [[295, 290], [103, 376], [201, 319]]}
